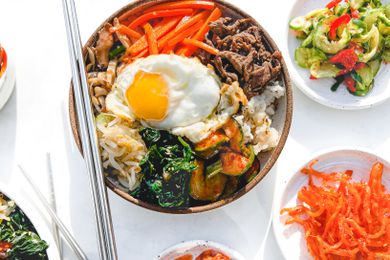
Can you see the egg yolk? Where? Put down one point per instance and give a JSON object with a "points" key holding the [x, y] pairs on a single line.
{"points": [[147, 96]]}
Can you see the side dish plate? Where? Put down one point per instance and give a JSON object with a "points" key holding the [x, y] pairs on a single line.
{"points": [[291, 238], [319, 90]]}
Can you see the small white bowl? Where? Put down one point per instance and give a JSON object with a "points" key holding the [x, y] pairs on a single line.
{"points": [[291, 237], [319, 90], [195, 248], [7, 81]]}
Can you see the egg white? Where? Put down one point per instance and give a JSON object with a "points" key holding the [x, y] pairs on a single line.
{"points": [[231, 98], [193, 90]]}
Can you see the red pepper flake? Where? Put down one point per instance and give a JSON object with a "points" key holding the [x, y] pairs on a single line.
{"points": [[332, 4], [350, 83], [312, 77], [344, 19], [347, 58]]}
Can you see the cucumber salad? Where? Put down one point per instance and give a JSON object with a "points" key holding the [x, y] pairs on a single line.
{"points": [[346, 40]]}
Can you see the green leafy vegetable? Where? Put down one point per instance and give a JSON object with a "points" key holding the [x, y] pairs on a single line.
{"points": [[166, 169], [20, 233]]}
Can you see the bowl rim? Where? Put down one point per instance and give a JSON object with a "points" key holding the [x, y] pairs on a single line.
{"points": [[138, 6], [208, 244]]}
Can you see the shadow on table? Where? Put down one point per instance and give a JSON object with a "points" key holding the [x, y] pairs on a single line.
{"points": [[81, 216], [8, 119], [367, 128]]}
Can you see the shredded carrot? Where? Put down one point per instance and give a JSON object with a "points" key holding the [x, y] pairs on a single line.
{"points": [[183, 25], [184, 34], [129, 32], [151, 38], [200, 35], [184, 4], [201, 45], [162, 28], [343, 219], [157, 14]]}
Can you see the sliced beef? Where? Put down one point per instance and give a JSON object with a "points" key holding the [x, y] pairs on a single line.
{"points": [[243, 54], [224, 27]]}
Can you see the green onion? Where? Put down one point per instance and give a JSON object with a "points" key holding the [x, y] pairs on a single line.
{"points": [[356, 77], [117, 51], [337, 84]]}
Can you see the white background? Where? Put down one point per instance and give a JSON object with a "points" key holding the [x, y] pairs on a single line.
{"points": [[35, 121]]}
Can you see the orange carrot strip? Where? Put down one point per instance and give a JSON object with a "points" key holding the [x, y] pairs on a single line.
{"points": [[215, 14], [166, 25], [184, 4], [157, 14], [129, 32], [201, 45], [184, 34], [208, 5], [181, 27], [191, 21], [151, 38], [142, 54], [376, 176]]}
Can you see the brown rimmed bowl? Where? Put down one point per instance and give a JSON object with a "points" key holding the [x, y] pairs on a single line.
{"points": [[281, 119]]}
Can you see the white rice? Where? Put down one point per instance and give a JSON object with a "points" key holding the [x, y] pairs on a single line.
{"points": [[256, 119]]}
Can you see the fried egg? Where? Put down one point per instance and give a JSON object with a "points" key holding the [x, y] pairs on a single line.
{"points": [[174, 93], [165, 92]]}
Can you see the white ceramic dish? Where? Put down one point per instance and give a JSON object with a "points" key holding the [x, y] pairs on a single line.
{"points": [[290, 238], [40, 224], [7, 81], [196, 247], [319, 90]]}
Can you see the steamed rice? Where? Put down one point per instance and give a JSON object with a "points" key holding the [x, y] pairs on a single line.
{"points": [[256, 120]]}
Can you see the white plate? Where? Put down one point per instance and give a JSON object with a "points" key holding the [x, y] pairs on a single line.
{"points": [[290, 238], [39, 224], [196, 247], [319, 90]]}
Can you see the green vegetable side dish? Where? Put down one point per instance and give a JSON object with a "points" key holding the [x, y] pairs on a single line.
{"points": [[175, 176], [347, 40], [18, 237]]}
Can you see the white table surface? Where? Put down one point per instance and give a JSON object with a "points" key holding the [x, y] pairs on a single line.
{"points": [[35, 121]]}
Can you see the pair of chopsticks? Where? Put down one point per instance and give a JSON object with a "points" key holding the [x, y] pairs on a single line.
{"points": [[106, 239], [65, 232]]}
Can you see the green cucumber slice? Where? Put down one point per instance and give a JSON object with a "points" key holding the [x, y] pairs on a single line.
{"points": [[322, 42], [324, 70], [306, 57]]}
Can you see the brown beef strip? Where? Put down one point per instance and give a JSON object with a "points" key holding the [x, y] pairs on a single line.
{"points": [[243, 54]]}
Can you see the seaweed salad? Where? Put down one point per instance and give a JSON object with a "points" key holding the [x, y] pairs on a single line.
{"points": [[18, 238]]}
